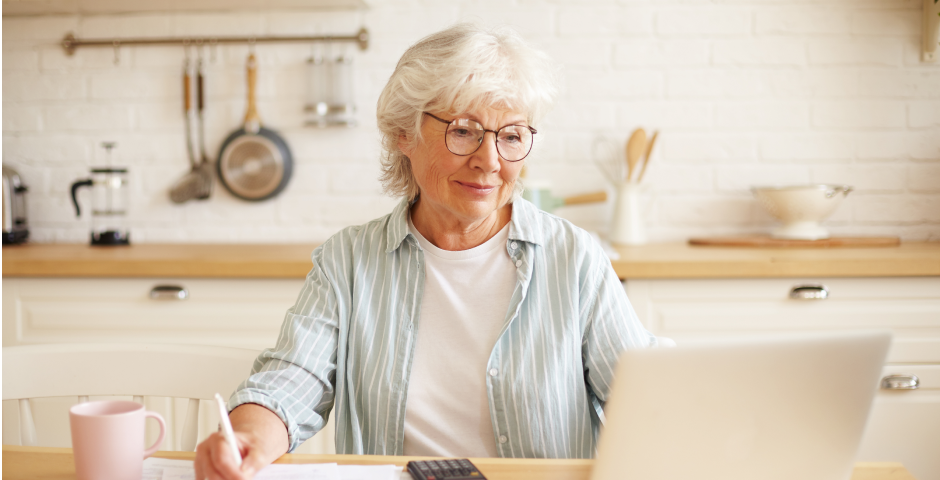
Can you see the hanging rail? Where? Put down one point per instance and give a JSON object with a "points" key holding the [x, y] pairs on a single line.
{"points": [[70, 43]]}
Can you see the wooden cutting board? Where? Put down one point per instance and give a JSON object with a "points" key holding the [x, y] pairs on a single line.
{"points": [[768, 242]]}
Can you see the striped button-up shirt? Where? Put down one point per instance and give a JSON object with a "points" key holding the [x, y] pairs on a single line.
{"points": [[348, 343]]}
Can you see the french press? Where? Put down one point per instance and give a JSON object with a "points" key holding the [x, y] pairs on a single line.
{"points": [[108, 203]]}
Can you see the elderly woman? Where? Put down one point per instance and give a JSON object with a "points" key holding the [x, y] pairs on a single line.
{"points": [[466, 323]]}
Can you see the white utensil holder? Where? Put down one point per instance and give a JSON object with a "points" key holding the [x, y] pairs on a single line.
{"points": [[628, 226]]}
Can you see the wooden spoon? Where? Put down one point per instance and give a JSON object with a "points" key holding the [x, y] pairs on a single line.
{"points": [[646, 158], [635, 148]]}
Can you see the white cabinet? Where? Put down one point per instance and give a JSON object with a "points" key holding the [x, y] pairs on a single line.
{"points": [[237, 312], [904, 425]]}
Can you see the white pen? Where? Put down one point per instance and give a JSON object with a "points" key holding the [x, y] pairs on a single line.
{"points": [[227, 431]]}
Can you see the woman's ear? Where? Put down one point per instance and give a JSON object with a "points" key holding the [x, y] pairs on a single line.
{"points": [[405, 146]]}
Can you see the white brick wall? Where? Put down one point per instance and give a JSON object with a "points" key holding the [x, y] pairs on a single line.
{"points": [[743, 92]]}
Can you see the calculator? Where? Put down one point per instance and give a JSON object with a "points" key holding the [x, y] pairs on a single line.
{"points": [[451, 469]]}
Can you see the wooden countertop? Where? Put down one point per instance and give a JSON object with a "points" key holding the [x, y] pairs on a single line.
{"points": [[58, 463], [293, 261], [914, 259]]}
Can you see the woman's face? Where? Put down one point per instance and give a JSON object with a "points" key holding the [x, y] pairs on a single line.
{"points": [[471, 187]]}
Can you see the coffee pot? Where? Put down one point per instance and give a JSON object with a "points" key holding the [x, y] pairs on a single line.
{"points": [[109, 198]]}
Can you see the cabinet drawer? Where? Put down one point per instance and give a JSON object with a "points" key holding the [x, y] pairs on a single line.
{"points": [[909, 307], [904, 425], [240, 313]]}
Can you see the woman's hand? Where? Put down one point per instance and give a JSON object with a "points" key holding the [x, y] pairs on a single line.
{"points": [[214, 458], [261, 437]]}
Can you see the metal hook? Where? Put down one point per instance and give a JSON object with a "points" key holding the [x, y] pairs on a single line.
{"points": [[117, 51], [198, 47]]}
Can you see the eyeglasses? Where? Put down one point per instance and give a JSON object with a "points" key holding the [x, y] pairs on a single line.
{"points": [[464, 137]]}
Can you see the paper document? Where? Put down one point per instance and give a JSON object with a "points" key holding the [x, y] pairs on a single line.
{"points": [[166, 469], [370, 472], [178, 473], [153, 467], [306, 471]]}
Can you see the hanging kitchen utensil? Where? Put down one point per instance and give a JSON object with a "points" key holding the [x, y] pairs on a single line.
{"points": [[205, 169], [319, 90], [254, 162], [330, 90], [342, 108], [646, 157], [635, 148], [192, 185]]}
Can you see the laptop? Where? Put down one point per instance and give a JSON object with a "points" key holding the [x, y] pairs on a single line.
{"points": [[783, 408]]}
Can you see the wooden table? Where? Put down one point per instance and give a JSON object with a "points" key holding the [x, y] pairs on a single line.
{"points": [[56, 464]]}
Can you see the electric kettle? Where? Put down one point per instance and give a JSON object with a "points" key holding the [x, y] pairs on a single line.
{"points": [[15, 224]]}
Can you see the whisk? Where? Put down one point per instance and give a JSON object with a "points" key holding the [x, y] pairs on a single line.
{"points": [[607, 156]]}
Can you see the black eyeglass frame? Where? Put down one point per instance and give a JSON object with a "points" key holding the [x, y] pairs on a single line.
{"points": [[495, 138]]}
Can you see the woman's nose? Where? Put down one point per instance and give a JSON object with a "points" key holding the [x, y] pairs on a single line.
{"points": [[487, 155]]}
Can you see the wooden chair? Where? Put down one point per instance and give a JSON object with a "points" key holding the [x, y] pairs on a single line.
{"points": [[182, 371]]}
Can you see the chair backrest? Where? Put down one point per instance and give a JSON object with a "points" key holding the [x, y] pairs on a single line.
{"points": [[182, 371]]}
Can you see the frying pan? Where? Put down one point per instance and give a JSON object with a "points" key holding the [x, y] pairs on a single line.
{"points": [[254, 162]]}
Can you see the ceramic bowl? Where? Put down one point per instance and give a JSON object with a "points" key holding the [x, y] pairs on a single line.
{"points": [[801, 208]]}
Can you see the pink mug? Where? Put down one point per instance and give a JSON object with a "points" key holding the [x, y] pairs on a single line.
{"points": [[108, 439]]}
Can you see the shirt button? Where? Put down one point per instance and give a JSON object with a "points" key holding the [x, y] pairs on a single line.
{"points": [[518, 263], [503, 439], [494, 372], [513, 245]]}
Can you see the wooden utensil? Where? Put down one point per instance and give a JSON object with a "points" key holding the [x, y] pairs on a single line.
{"points": [[635, 148], [646, 157], [196, 184], [593, 197]]}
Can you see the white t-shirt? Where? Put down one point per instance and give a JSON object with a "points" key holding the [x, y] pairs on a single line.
{"points": [[463, 309]]}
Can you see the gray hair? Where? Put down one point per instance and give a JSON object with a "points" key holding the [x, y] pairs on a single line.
{"points": [[463, 68]]}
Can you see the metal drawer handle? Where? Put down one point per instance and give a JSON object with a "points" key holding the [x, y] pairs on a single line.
{"points": [[169, 292], [809, 292], [900, 382]]}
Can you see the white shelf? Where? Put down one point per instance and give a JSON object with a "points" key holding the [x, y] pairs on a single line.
{"points": [[102, 7]]}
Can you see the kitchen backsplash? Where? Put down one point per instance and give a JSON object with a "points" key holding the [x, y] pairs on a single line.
{"points": [[743, 93]]}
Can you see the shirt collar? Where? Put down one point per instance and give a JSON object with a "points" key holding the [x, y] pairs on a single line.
{"points": [[525, 224], [397, 226]]}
